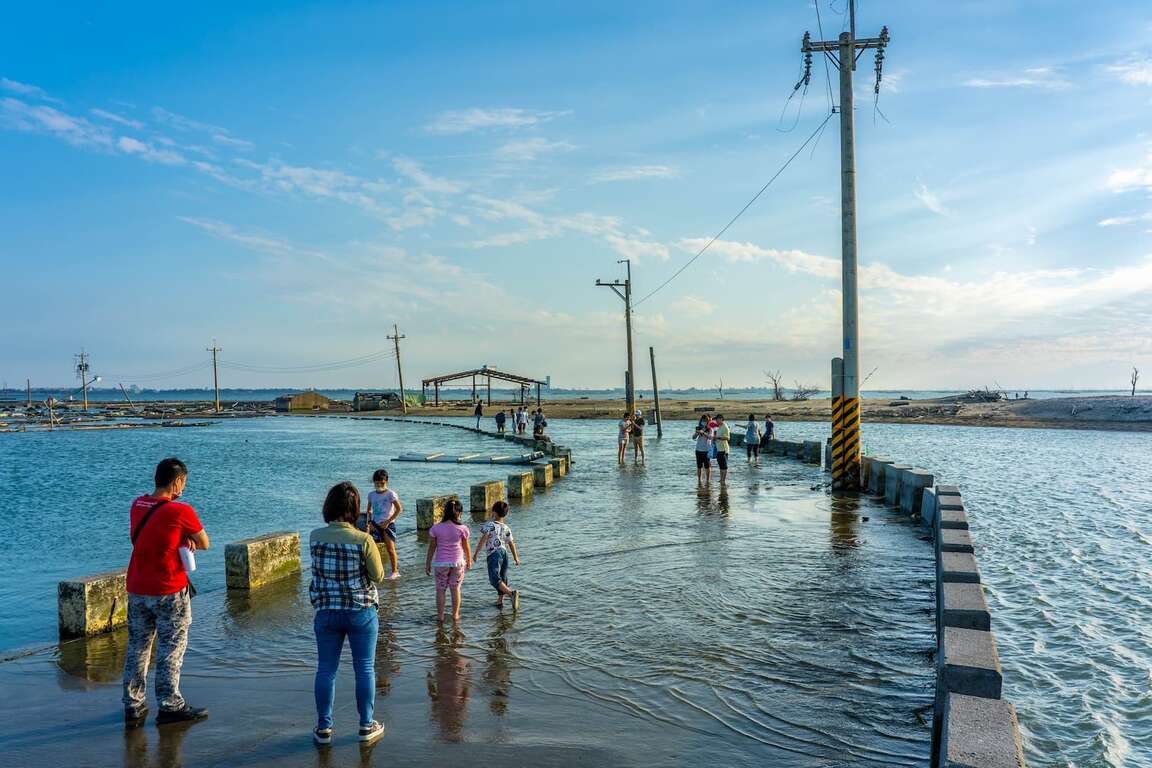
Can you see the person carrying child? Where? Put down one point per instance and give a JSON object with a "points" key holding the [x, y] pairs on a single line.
{"points": [[449, 555], [380, 518], [496, 541]]}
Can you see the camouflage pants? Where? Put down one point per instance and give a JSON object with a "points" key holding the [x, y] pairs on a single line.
{"points": [[165, 619]]}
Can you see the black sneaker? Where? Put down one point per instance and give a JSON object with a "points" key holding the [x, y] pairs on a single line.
{"points": [[322, 735], [134, 718], [370, 733], [186, 715]]}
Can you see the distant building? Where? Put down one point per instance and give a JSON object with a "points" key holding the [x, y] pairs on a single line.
{"points": [[375, 401], [302, 401]]}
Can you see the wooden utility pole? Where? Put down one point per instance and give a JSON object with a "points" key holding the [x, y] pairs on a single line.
{"points": [[656, 394], [395, 337], [626, 297], [215, 350], [843, 52], [82, 368]]}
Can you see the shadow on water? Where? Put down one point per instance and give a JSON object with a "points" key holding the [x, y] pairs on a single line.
{"points": [[498, 669], [449, 684], [90, 662]]}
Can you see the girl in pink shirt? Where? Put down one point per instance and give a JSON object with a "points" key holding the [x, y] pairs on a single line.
{"points": [[449, 555]]}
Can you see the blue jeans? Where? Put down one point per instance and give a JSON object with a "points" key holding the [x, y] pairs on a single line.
{"points": [[498, 568], [361, 627]]}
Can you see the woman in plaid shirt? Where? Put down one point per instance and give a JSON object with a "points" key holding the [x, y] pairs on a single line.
{"points": [[345, 570]]}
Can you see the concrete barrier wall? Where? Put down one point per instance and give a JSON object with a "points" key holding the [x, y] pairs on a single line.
{"points": [[892, 475], [91, 605], [876, 478], [912, 485], [261, 560]]}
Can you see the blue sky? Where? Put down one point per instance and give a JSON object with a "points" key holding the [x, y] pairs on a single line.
{"points": [[292, 179]]}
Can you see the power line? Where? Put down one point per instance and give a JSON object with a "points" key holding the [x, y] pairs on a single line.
{"points": [[827, 74], [314, 368], [740, 213]]}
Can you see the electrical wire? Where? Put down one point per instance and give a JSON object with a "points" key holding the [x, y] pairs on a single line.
{"points": [[827, 72], [172, 374], [335, 365], [740, 213]]}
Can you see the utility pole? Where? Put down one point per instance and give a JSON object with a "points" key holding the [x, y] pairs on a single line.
{"points": [[656, 393], [400, 370], [82, 371], [843, 52], [626, 297], [215, 350], [28, 383]]}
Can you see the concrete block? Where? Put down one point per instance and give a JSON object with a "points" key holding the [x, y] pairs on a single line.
{"points": [[90, 605], [812, 451], [970, 664], [912, 485], [948, 490], [254, 562], [963, 606], [949, 500], [928, 508], [954, 518], [430, 511], [542, 475], [892, 475], [876, 481], [482, 496], [559, 467], [955, 540], [520, 486], [958, 567], [796, 450], [979, 733]]}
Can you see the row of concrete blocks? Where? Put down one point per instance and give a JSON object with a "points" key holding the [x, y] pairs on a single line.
{"points": [[92, 605], [807, 451], [520, 486], [973, 725]]}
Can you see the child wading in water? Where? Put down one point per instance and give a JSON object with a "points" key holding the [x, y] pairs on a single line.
{"points": [[449, 555], [383, 508], [496, 540]]}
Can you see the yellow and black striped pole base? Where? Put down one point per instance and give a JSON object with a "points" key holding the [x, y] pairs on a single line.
{"points": [[846, 443]]}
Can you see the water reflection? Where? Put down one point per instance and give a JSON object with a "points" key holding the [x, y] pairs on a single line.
{"points": [[169, 746], [270, 604], [708, 506], [844, 522], [387, 664], [91, 661], [498, 672], [449, 683], [324, 756]]}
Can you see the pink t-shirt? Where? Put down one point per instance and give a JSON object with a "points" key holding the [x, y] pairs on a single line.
{"points": [[451, 539]]}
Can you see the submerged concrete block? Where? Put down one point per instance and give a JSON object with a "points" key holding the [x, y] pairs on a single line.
{"points": [[521, 486], [90, 605], [963, 606], [876, 481], [928, 508], [912, 485], [430, 511], [955, 540], [954, 518], [252, 563], [482, 496], [542, 475], [892, 475], [969, 663], [979, 733], [812, 451], [559, 466], [958, 567]]}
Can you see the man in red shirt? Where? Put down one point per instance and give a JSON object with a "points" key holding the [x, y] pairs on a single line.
{"points": [[159, 603]]}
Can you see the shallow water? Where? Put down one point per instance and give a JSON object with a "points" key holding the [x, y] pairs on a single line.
{"points": [[659, 625]]}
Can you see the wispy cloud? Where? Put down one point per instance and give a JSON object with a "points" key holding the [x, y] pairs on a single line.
{"points": [[930, 200], [693, 306], [1120, 221], [1036, 77], [530, 149], [185, 123], [637, 250], [1135, 70], [231, 141], [423, 180], [257, 242], [1134, 177], [478, 119], [145, 151], [38, 118], [25, 89], [112, 117], [634, 173], [320, 183]]}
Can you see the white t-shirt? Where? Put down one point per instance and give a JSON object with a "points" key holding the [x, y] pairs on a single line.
{"points": [[382, 504], [499, 536], [704, 440]]}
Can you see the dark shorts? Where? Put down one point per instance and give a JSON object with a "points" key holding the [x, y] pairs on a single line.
{"points": [[753, 449], [388, 530], [701, 459], [722, 459]]}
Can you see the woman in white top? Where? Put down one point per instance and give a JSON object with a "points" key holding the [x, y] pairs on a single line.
{"points": [[752, 440]]}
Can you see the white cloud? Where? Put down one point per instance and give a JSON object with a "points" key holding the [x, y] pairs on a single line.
{"points": [[1046, 78], [477, 119], [37, 118], [320, 183], [930, 200], [530, 149], [231, 141], [693, 306], [256, 242], [1135, 70], [634, 173], [112, 117], [1132, 178], [130, 146], [1119, 221], [24, 89], [637, 250], [424, 180], [185, 123]]}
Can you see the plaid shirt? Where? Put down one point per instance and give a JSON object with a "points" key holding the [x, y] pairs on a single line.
{"points": [[345, 565]]}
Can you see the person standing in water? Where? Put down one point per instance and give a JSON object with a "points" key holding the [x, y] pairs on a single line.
{"points": [[722, 435], [449, 555], [638, 438], [623, 430], [703, 438], [500, 419], [752, 440], [478, 412], [497, 542], [383, 508], [769, 433]]}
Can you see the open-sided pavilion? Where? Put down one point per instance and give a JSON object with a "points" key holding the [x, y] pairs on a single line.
{"points": [[483, 375]]}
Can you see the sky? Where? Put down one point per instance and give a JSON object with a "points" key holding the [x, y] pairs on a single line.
{"points": [[292, 179]]}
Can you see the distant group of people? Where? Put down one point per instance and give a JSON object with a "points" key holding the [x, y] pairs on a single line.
{"points": [[519, 418], [346, 569], [631, 430], [713, 437]]}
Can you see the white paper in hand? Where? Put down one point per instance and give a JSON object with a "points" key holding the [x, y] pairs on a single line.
{"points": [[187, 559]]}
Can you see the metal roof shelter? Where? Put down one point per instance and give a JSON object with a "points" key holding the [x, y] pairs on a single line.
{"points": [[486, 373]]}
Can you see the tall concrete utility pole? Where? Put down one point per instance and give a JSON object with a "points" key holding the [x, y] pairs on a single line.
{"points": [[656, 393], [626, 297], [82, 372], [215, 350], [28, 382], [395, 338], [846, 432]]}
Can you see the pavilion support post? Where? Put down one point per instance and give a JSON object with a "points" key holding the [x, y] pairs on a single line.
{"points": [[437, 393], [489, 390], [537, 394]]}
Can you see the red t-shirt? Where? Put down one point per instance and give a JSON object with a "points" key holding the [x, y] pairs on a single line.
{"points": [[155, 567]]}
